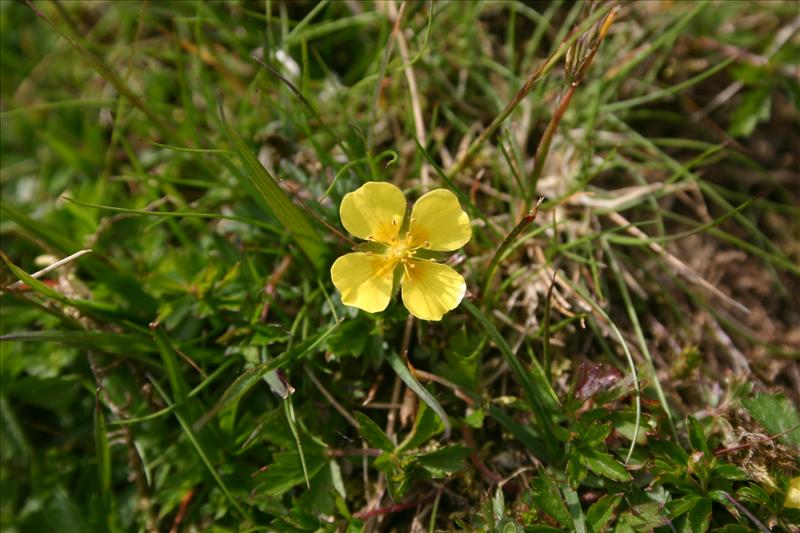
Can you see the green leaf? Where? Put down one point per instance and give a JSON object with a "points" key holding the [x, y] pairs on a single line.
{"points": [[624, 423], [576, 470], [475, 419], [575, 509], [276, 200], [777, 414], [351, 339], [730, 472], [445, 460], [286, 470], [754, 494], [498, 504], [681, 506], [47, 393], [643, 517], [601, 512], [408, 378], [699, 516], [697, 436], [548, 498], [426, 425], [603, 464], [372, 433], [596, 433]]}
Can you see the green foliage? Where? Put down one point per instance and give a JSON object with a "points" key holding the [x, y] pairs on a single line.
{"points": [[192, 367], [778, 416]]}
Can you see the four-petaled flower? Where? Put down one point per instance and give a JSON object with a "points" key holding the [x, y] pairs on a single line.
{"points": [[376, 212]]}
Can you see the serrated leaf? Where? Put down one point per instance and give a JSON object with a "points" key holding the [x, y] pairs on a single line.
{"points": [[286, 470], [778, 416], [730, 472], [498, 504], [753, 494], [603, 464], [601, 512], [596, 433], [372, 433], [643, 517], [699, 516], [681, 506], [548, 498], [576, 470], [624, 423], [445, 460]]}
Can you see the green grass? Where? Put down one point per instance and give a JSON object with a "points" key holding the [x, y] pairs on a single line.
{"points": [[624, 360]]}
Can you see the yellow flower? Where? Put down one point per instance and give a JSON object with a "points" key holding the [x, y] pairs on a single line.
{"points": [[376, 212]]}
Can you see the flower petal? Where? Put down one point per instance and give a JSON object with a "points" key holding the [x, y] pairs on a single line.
{"points": [[431, 289], [365, 280], [438, 222], [374, 211]]}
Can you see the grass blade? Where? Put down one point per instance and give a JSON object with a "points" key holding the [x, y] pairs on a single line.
{"points": [[529, 388], [276, 200], [187, 429], [408, 378]]}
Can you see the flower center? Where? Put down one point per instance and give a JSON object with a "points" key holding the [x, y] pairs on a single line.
{"points": [[401, 250]]}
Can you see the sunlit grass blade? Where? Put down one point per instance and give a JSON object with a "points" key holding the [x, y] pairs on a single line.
{"points": [[125, 345], [288, 410], [276, 200], [637, 328], [501, 250], [408, 378], [178, 214]]}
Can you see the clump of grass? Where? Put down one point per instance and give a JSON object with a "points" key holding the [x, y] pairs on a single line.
{"points": [[626, 355]]}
